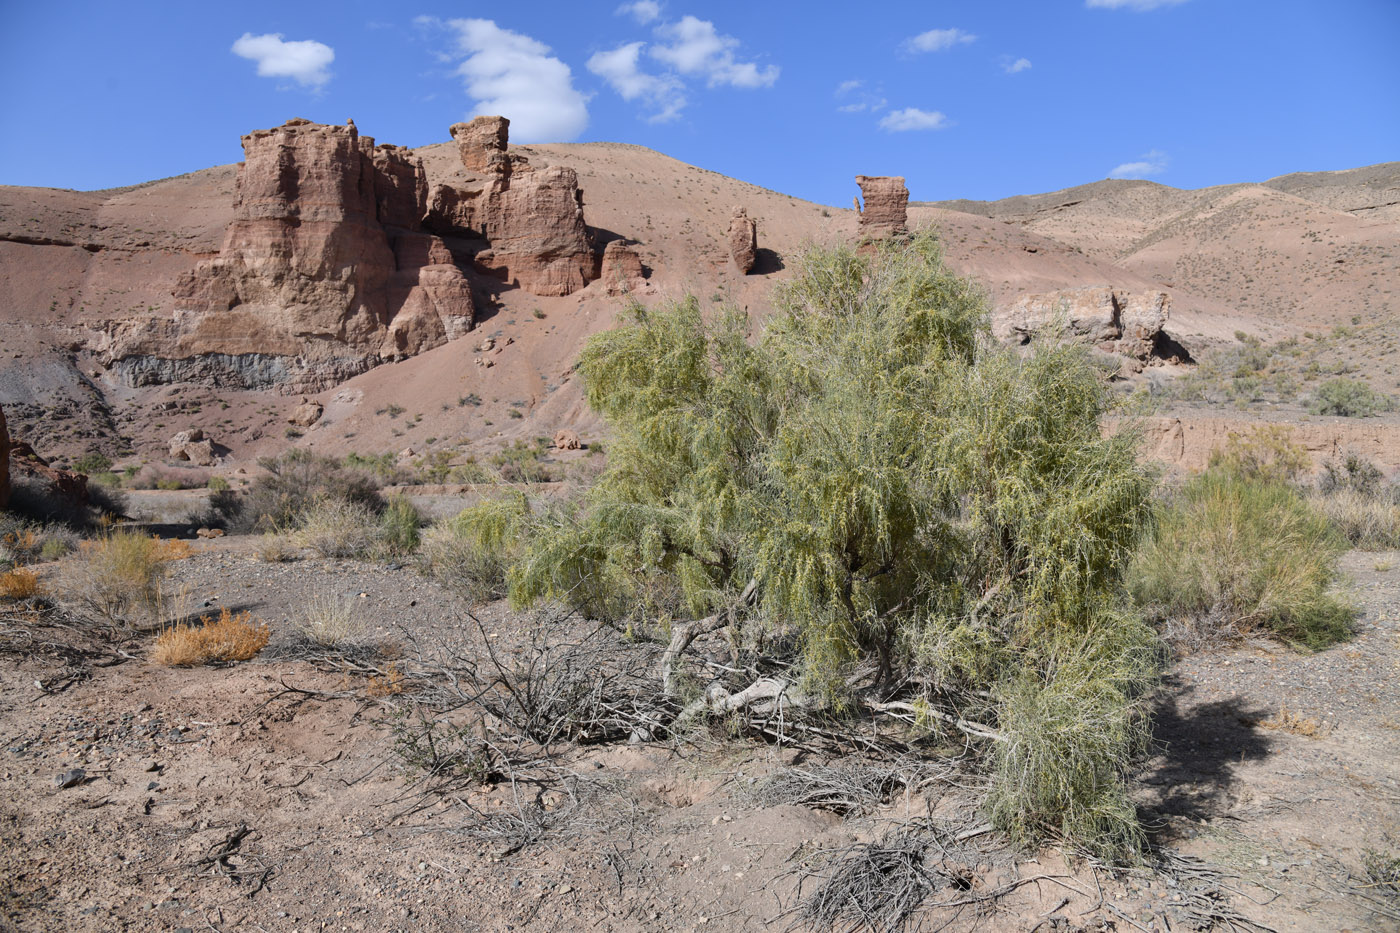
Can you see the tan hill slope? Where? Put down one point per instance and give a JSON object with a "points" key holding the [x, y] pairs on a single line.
{"points": [[81, 271]]}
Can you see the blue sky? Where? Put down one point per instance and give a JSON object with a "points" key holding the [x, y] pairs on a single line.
{"points": [[977, 100]]}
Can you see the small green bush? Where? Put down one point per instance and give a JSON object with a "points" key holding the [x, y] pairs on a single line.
{"points": [[897, 494], [473, 551], [1234, 553], [293, 483], [93, 463], [1349, 398], [400, 526]]}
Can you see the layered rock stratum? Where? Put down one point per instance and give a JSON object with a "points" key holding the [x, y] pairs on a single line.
{"points": [[886, 209]]}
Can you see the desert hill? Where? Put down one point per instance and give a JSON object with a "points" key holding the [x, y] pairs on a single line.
{"points": [[88, 276]]}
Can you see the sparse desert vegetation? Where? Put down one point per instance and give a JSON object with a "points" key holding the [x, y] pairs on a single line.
{"points": [[699, 600]]}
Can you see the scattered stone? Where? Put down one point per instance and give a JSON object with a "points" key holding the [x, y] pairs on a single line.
{"points": [[306, 414], [566, 439], [70, 778]]}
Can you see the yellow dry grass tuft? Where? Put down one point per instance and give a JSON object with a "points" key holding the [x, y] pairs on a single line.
{"points": [[391, 684], [1294, 724], [224, 640], [20, 583]]}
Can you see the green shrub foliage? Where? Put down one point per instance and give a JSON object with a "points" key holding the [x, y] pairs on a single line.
{"points": [[903, 491], [1236, 552], [1350, 398]]}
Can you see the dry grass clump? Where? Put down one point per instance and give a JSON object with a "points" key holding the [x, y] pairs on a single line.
{"points": [[1368, 522], [121, 577], [1294, 723], [388, 685], [1235, 553], [20, 583], [1354, 495], [224, 640], [25, 542], [330, 621], [339, 528], [275, 548]]}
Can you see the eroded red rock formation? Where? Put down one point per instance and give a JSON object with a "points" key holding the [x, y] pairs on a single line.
{"points": [[886, 205], [622, 269], [743, 240], [532, 219], [324, 267]]}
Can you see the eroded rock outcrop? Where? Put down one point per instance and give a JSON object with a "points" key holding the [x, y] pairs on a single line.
{"points": [[67, 485], [886, 209], [323, 256], [743, 240], [531, 219], [622, 268], [1111, 319]]}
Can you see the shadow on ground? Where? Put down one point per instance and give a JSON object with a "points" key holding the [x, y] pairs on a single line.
{"points": [[1199, 748]]}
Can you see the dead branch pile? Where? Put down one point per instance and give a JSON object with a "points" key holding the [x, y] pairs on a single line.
{"points": [[881, 886], [852, 787]]}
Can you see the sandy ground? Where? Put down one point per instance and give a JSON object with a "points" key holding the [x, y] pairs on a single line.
{"points": [[267, 796]]}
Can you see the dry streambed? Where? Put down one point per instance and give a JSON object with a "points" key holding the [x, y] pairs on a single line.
{"points": [[268, 795]]}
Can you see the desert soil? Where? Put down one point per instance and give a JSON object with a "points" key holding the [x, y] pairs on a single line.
{"points": [[265, 796]]}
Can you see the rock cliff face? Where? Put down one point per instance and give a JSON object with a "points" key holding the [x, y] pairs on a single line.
{"points": [[743, 240], [1111, 319], [532, 220], [324, 269], [886, 205]]}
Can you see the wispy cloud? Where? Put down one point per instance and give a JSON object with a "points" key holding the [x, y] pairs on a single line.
{"points": [[694, 47], [514, 75], [643, 11], [305, 61], [1149, 163], [912, 118], [663, 93], [937, 40], [1015, 67], [854, 97], [1137, 6], [688, 48]]}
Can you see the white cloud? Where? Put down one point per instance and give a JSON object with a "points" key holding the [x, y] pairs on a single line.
{"points": [[912, 118], [1149, 163], [1016, 67], [696, 48], [515, 76], [663, 93], [1137, 6], [304, 60], [643, 11], [857, 99], [937, 40]]}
